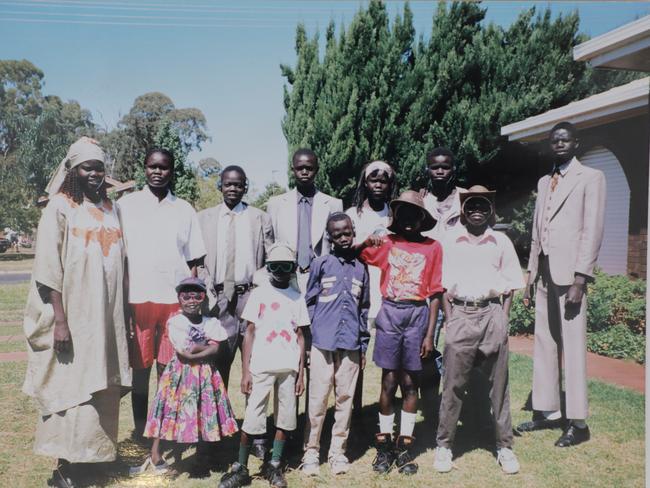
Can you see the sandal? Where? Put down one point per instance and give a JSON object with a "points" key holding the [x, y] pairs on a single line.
{"points": [[158, 469]]}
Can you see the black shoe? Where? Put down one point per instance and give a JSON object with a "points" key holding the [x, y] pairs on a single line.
{"points": [[540, 424], [273, 473], [236, 477], [60, 479], [385, 457], [404, 461], [573, 436], [259, 449]]}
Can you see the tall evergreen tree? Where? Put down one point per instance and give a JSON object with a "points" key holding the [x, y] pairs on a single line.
{"points": [[379, 93]]}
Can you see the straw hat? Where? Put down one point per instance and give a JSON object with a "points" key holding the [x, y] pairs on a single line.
{"points": [[478, 191], [412, 198]]}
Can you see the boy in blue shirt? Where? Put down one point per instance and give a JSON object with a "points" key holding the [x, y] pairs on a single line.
{"points": [[338, 299]]}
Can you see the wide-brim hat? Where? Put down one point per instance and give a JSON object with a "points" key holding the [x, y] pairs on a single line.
{"points": [[281, 252], [478, 191], [412, 198], [191, 283]]}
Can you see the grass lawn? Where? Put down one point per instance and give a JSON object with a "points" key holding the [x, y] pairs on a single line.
{"points": [[21, 266], [614, 457]]}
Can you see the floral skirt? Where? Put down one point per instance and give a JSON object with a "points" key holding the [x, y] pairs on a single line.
{"points": [[191, 404]]}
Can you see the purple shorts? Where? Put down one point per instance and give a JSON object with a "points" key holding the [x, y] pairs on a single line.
{"points": [[401, 327]]}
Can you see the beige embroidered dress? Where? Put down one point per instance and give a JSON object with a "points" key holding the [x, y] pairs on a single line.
{"points": [[80, 254]]}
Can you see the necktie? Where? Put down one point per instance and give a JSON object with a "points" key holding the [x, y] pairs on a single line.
{"points": [[229, 280], [555, 179], [304, 234]]}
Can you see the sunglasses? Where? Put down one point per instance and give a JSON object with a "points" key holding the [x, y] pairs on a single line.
{"points": [[280, 267], [197, 296]]}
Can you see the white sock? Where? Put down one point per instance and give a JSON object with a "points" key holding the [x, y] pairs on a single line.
{"points": [[579, 423], [407, 423], [552, 414], [386, 423]]}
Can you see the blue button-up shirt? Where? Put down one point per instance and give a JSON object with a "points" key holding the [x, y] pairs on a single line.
{"points": [[338, 299]]}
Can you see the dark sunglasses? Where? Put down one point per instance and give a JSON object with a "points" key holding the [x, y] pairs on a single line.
{"points": [[280, 267], [197, 296]]}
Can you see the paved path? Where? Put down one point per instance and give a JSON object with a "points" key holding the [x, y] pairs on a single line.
{"points": [[10, 278], [616, 371]]}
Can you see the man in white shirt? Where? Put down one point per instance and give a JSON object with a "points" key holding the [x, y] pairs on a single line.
{"points": [[300, 216], [237, 239], [163, 244], [480, 273]]}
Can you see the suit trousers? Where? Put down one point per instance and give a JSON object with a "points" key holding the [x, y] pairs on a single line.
{"points": [[559, 335], [475, 336], [336, 370], [229, 314]]}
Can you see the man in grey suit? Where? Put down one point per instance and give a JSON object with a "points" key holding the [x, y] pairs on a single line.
{"points": [[567, 234], [237, 238], [300, 216]]}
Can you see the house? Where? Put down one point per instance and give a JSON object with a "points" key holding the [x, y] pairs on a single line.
{"points": [[614, 132]]}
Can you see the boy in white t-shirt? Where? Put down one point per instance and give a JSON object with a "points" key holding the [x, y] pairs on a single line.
{"points": [[272, 359]]}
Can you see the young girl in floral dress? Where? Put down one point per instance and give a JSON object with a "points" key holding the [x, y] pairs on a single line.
{"points": [[191, 403]]}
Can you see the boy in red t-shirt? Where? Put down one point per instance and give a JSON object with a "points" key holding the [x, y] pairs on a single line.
{"points": [[411, 269]]}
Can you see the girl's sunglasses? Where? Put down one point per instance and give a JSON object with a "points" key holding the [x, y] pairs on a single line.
{"points": [[280, 267], [197, 296]]}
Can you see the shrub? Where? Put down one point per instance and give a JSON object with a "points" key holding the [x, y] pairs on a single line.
{"points": [[617, 341], [615, 317], [522, 319]]}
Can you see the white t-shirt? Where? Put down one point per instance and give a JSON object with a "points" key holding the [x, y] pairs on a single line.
{"points": [[183, 333], [277, 313], [160, 238]]}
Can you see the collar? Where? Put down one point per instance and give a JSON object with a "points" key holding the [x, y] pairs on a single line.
{"points": [[237, 209], [564, 167], [169, 198], [382, 213], [345, 259], [465, 235]]}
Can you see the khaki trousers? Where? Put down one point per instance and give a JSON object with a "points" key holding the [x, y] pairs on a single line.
{"points": [[475, 336], [338, 370], [559, 335]]}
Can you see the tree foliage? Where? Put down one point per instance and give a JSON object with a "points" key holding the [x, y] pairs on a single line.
{"points": [[378, 92], [137, 131], [270, 190], [35, 132]]}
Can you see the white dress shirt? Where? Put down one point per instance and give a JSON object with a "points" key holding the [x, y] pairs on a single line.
{"points": [[160, 238], [479, 267], [244, 256]]}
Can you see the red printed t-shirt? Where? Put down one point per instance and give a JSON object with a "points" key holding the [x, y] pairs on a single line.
{"points": [[409, 270]]}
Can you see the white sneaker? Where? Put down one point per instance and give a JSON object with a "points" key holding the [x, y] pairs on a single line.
{"points": [[442, 460], [508, 461], [310, 463], [339, 464]]}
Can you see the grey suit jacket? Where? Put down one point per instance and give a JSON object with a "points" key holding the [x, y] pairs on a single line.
{"points": [[283, 210], [261, 235], [576, 223]]}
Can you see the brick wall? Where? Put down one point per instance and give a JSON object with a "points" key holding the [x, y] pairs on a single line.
{"points": [[637, 253]]}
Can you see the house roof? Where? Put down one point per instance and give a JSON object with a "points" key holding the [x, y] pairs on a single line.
{"points": [[618, 103], [627, 47]]}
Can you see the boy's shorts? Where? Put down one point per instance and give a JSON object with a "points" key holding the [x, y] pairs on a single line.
{"points": [[284, 405], [151, 338], [401, 327]]}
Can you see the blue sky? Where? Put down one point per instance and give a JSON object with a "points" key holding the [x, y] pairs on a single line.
{"points": [[221, 57]]}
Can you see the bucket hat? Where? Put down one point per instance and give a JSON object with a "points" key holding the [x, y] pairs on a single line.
{"points": [[412, 198]]}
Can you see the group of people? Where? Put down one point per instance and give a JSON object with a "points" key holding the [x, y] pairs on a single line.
{"points": [[117, 286]]}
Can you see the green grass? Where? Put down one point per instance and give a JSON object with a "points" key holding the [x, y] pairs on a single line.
{"points": [[16, 262], [614, 457]]}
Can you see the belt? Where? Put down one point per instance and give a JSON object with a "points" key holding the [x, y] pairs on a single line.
{"points": [[239, 289], [476, 303], [418, 303]]}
